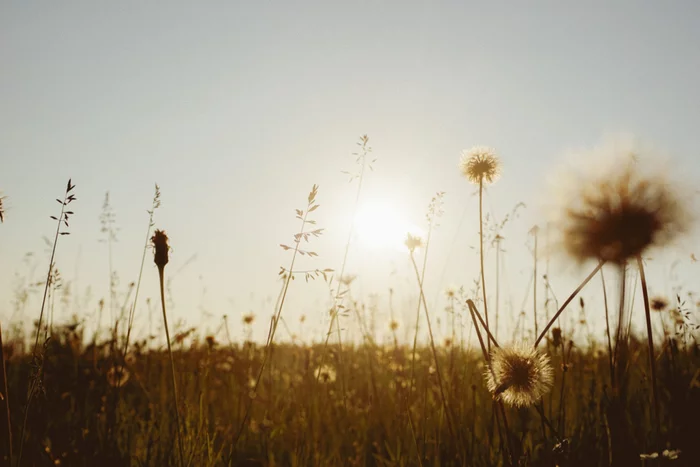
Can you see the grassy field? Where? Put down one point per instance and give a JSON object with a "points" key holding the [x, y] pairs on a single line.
{"points": [[71, 397], [356, 415]]}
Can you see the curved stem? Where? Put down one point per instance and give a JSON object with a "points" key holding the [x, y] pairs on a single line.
{"points": [[568, 300], [432, 346]]}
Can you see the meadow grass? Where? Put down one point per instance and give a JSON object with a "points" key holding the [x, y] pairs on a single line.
{"points": [[102, 399]]}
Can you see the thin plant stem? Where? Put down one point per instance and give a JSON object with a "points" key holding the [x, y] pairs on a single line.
{"points": [[566, 303], [650, 342], [432, 346], [33, 384], [132, 311], [481, 251], [534, 283], [607, 328], [161, 273], [6, 401]]}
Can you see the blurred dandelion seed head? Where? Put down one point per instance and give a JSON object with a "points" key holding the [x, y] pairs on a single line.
{"points": [[621, 208], [519, 375], [480, 164]]}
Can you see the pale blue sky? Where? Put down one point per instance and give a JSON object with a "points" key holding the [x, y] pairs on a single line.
{"points": [[237, 108]]}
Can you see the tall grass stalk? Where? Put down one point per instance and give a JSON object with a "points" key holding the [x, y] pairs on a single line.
{"points": [[132, 311], [361, 160], [296, 251], [5, 399], [61, 220], [434, 350], [161, 247]]}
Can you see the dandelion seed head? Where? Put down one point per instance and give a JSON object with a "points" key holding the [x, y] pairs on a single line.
{"points": [[618, 208], [480, 164], [519, 375]]}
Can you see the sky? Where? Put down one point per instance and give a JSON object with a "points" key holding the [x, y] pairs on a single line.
{"points": [[236, 109]]}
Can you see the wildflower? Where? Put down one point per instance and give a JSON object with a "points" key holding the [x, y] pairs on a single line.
{"points": [[448, 341], [480, 164], [413, 242], [671, 454], [646, 457], [393, 325], [160, 245], [659, 303], [325, 373], [519, 375], [621, 214], [117, 376]]}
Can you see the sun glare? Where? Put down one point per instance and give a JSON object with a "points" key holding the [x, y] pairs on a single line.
{"points": [[379, 225]]}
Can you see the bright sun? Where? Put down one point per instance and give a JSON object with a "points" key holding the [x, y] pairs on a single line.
{"points": [[379, 225]]}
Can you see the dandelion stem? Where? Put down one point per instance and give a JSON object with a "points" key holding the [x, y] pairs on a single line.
{"points": [[607, 328], [481, 251], [568, 300], [650, 341]]}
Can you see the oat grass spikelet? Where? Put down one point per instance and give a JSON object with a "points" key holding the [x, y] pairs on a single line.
{"points": [[480, 164], [619, 215], [2, 209], [519, 375]]}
